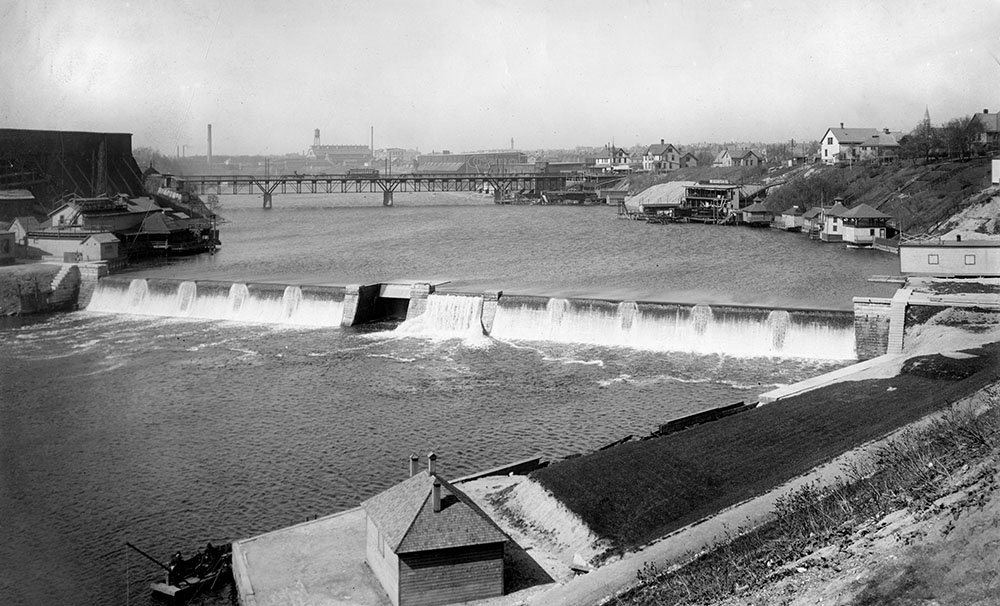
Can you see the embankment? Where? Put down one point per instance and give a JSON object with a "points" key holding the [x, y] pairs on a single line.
{"points": [[635, 493], [38, 288]]}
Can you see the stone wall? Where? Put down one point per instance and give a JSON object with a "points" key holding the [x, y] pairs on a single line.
{"points": [[871, 326], [90, 273]]}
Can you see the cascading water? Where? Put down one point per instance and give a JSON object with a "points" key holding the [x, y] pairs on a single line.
{"points": [[263, 304], [701, 329], [447, 316]]}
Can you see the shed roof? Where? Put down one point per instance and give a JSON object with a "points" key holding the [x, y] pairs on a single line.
{"points": [[103, 238], [8, 195], [405, 515], [659, 195], [812, 213], [757, 207], [864, 211], [660, 148], [837, 210], [990, 122], [440, 167], [27, 223], [794, 211], [865, 136]]}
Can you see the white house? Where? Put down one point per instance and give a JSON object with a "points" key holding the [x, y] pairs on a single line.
{"points": [[613, 158], [862, 224], [740, 157], [661, 157], [858, 144]]}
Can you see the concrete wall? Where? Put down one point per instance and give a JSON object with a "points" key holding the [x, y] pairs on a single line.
{"points": [[871, 326], [90, 273]]}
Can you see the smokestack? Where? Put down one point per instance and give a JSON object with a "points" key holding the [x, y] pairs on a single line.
{"points": [[209, 144], [841, 125], [661, 141], [316, 138], [436, 495], [432, 463], [414, 464]]}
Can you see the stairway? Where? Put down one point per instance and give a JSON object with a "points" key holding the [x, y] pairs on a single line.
{"points": [[897, 320], [65, 287]]}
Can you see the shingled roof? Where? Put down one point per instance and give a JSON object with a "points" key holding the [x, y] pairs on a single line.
{"points": [[864, 211], [406, 518]]}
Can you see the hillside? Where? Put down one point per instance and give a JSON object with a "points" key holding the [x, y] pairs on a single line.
{"points": [[922, 197]]}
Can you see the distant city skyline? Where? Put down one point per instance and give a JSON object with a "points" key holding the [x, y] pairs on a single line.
{"points": [[467, 76]]}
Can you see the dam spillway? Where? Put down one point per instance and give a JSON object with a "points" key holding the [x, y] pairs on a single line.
{"points": [[316, 306], [731, 330], [700, 329]]}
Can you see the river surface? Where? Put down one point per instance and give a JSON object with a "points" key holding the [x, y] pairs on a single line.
{"points": [[169, 432]]}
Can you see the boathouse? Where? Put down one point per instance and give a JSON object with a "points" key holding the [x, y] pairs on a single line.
{"points": [[833, 224], [792, 219], [429, 544], [950, 258], [757, 215], [862, 224]]}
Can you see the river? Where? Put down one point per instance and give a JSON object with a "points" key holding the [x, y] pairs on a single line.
{"points": [[172, 431]]}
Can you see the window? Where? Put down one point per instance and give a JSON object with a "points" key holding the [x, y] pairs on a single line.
{"points": [[970, 259], [933, 259], [829, 140], [871, 232], [826, 153]]}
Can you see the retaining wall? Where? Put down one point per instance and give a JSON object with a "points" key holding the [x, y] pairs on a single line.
{"points": [[871, 327]]}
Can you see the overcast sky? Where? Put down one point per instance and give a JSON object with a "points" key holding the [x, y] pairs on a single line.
{"points": [[472, 74]]}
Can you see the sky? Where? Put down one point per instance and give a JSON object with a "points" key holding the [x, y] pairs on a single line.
{"points": [[473, 74]]}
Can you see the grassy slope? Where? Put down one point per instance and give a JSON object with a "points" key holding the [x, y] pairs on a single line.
{"points": [[931, 192], [640, 491]]}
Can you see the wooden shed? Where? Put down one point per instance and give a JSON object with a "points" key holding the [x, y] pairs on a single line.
{"points": [[429, 544], [99, 247]]}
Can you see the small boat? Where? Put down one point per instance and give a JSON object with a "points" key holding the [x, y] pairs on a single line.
{"points": [[186, 576]]}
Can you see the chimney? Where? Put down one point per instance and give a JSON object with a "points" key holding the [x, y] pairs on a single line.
{"points": [[414, 464], [436, 495], [885, 130], [661, 141], [431, 463], [986, 110], [841, 125]]}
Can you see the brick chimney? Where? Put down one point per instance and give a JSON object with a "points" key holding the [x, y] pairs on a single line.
{"points": [[841, 125], [414, 464], [432, 463], [661, 141], [436, 495]]}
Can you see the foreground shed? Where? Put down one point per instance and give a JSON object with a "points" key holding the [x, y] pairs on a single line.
{"points": [[429, 544]]}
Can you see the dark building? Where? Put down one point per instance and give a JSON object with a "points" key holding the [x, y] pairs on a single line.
{"points": [[51, 164]]}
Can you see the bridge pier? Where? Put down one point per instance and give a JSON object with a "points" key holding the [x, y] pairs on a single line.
{"points": [[267, 200], [387, 198], [498, 195]]}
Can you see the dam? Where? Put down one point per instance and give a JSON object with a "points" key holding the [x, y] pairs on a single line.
{"points": [[740, 331], [224, 397]]}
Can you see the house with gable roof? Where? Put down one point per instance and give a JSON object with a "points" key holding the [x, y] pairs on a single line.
{"points": [[840, 145], [613, 159], [989, 136], [833, 225], [688, 160], [739, 157], [429, 544], [663, 156]]}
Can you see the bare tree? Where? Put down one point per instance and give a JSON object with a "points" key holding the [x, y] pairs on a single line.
{"points": [[960, 135]]}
